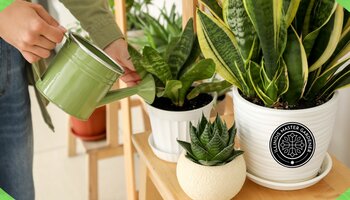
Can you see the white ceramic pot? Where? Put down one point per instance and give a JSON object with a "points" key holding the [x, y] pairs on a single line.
{"points": [[167, 126], [286, 146], [211, 182]]}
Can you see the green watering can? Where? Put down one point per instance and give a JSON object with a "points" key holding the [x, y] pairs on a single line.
{"points": [[80, 76]]}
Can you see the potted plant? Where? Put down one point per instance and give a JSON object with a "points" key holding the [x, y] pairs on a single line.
{"points": [[286, 60], [211, 169], [179, 100]]}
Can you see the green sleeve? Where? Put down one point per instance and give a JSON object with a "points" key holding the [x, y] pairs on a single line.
{"points": [[96, 18]]}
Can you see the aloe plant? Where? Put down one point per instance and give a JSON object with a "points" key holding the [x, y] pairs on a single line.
{"points": [[281, 52], [178, 69], [211, 143]]}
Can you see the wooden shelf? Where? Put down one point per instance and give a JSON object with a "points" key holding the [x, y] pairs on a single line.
{"points": [[162, 175]]}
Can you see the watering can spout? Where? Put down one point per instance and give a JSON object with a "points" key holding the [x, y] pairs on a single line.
{"points": [[146, 89]]}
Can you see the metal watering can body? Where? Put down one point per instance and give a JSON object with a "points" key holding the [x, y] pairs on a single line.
{"points": [[80, 76]]}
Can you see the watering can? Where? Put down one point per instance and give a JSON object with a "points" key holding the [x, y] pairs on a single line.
{"points": [[79, 78]]}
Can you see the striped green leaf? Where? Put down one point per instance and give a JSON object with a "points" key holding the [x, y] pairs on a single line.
{"points": [[342, 49], [216, 144], [201, 70], [223, 48], [270, 25], [290, 8], [224, 153], [317, 16], [171, 91], [327, 42], [236, 18], [136, 59], [340, 80], [214, 8], [208, 87], [155, 64], [182, 49], [296, 61]]}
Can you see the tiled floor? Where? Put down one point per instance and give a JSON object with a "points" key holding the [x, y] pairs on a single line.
{"points": [[59, 177]]}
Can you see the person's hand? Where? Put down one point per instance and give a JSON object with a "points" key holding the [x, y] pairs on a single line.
{"points": [[118, 50], [30, 29]]}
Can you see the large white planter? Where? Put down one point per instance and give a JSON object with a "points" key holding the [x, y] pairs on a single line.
{"points": [[167, 126], [286, 146], [211, 182]]}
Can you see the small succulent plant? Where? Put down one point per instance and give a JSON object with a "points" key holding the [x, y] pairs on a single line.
{"points": [[211, 144]]}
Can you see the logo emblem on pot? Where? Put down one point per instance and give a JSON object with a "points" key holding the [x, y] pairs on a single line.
{"points": [[292, 144]]}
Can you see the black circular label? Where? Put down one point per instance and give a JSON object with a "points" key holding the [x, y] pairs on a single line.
{"points": [[292, 144]]}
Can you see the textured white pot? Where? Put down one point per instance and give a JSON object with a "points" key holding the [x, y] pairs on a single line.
{"points": [[284, 145], [211, 182], [167, 126]]}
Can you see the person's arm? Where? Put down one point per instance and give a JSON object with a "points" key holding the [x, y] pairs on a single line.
{"points": [[97, 19], [30, 29]]}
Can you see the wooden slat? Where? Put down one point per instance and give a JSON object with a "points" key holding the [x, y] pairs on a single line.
{"points": [[188, 11]]}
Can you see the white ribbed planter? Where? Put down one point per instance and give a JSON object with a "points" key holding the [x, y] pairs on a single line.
{"points": [[167, 126], [279, 144], [211, 182]]}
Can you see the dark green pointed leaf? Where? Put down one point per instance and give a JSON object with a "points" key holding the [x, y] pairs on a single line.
{"points": [[290, 8], [216, 144], [136, 59], [214, 8], [224, 154], [155, 64], [182, 49], [171, 91], [186, 146], [270, 25], [317, 16], [236, 18], [201, 70], [326, 42], [296, 61], [205, 136], [223, 48], [202, 124], [208, 87], [200, 153]]}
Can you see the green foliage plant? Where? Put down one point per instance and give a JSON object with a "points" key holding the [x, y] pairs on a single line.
{"points": [[212, 144], [281, 53], [178, 71]]}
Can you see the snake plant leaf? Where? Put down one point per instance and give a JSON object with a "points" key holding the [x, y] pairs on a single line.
{"points": [[192, 58], [340, 80], [323, 79], [270, 25], [171, 91], [208, 87], [296, 61], [342, 49], [224, 47], [254, 75], [282, 80], [327, 41], [136, 59], [203, 69], [214, 8], [182, 49], [290, 8], [208, 52], [155, 64], [324, 10], [236, 18], [216, 144], [171, 46], [299, 19]]}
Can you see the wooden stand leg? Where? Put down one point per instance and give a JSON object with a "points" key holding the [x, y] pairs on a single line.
{"points": [[93, 175], [147, 189], [72, 144]]}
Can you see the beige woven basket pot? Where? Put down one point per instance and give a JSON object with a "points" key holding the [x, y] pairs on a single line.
{"points": [[286, 146]]}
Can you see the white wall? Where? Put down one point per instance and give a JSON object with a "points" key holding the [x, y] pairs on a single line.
{"points": [[340, 145]]}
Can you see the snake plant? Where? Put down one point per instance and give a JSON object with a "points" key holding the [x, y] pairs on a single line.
{"points": [[279, 52], [178, 69], [211, 143]]}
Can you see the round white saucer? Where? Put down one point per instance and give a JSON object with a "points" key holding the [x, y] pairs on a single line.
{"points": [[324, 170], [161, 154]]}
